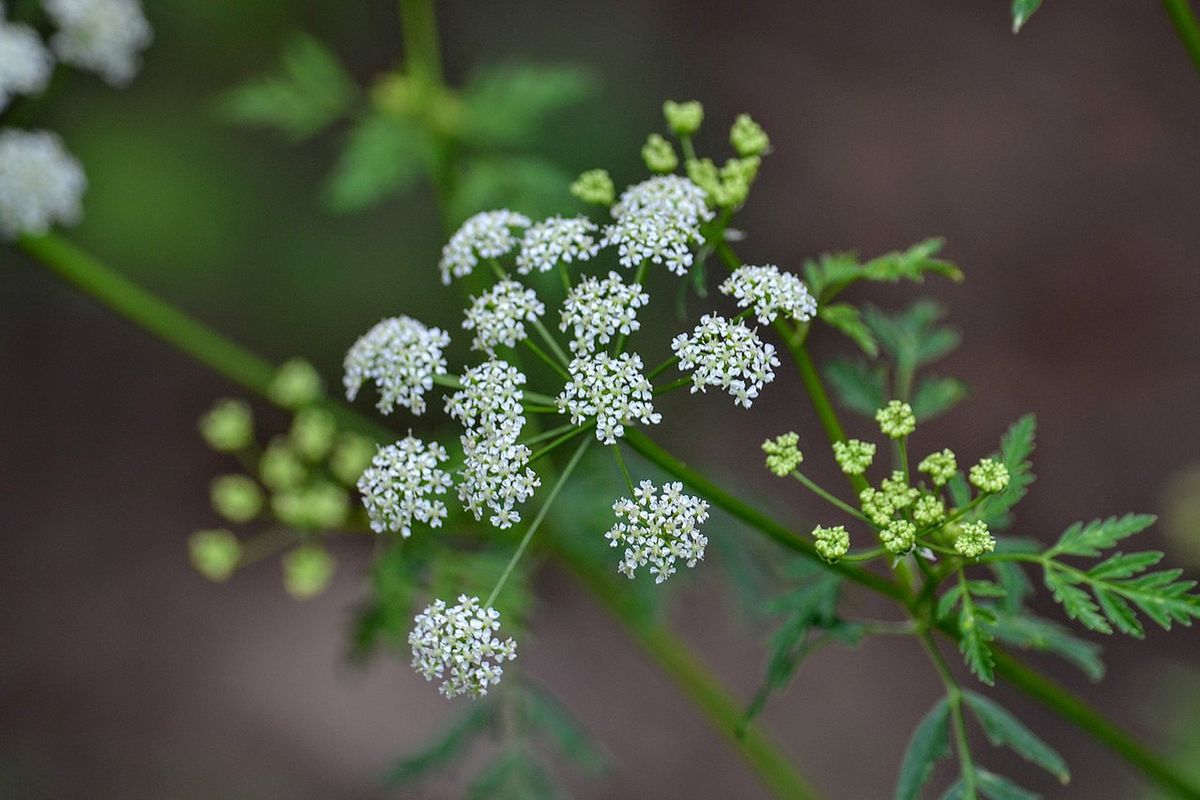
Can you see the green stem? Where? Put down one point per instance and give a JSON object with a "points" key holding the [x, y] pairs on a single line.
{"points": [[537, 522], [829, 498], [616, 449], [561, 440], [549, 434], [678, 383], [1181, 16], [422, 53], [550, 362], [551, 343], [954, 697]]}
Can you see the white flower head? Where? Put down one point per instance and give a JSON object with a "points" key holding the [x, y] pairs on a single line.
{"points": [[402, 357], [658, 220], [613, 390], [41, 184], [726, 354], [557, 240], [771, 293], [660, 528], [596, 310], [669, 195], [459, 645], [490, 400], [485, 235], [25, 65], [400, 485], [496, 476], [498, 316], [103, 36]]}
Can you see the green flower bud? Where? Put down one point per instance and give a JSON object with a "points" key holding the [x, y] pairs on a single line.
{"points": [[659, 155], [214, 553], [318, 507], [929, 510], [854, 456], [313, 433], [896, 419], [897, 491], [228, 426], [594, 186], [989, 476], [352, 456], [237, 498], [974, 539], [280, 468], [296, 384], [703, 172], [940, 467], [748, 137], [831, 543], [782, 454], [683, 118], [307, 571], [899, 536], [876, 505]]}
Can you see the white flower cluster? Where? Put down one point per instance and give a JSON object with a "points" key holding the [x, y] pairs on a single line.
{"points": [[40, 183], [459, 646], [726, 354], [597, 309], [658, 220], [103, 36], [25, 65], [495, 472], [613, 390], [554, 240], [402, 357], [661, 528], [400, 485], [771, 293], [498, 316], [485, 235]]}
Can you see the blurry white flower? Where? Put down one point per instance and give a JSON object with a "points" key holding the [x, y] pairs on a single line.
{"points": [[555, 240], [671, 196], [459, 646], [400, 485], [726, 354], [771, 293], [485, 235], [25, 65], [660, 528], [498, 316], [402, 357], [597, 309], [40, 183], [613, 390], [103, 36]]}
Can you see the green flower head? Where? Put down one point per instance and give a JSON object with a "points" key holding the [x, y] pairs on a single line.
{"points": [[747, 137], [296, 384], [214, 553], [877, 506], [897, 491], [228, 426], [237, 498], [896, 419], [280, 468], [974, 539], [854, 456], [683, 118], [783, 455], [831, 543], [307, 571], [313, 433], [940, 467], [659, 155], [350, 458], [899, 536], [594, 186], [989, 476], [929, 510], [318, 507]]}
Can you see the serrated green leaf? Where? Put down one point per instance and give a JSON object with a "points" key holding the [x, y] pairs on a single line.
{"points": [[513, 775], [1119, 613], [911, 264], [1076, 602], [995, 787], [507, 105], [830, 272], [949, 600], [930, 742], [478, 719], [1022, 10], [935, 396], [311, 91], [1029, 632], [1017, 585], [858, 387], [1124, 565], [974, 637], [1016, 448], [556, 722], [1005, 730], [848, 320], [383, 155], [1091, 538]]}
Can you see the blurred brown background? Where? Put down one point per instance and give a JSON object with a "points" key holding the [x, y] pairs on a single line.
{"points": [[1062, 165]]}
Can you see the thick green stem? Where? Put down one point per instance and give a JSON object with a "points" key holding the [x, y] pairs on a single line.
{"points": [[1180, 13], [422, 53]]}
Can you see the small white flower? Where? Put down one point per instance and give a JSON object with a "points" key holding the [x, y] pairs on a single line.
{"points": [[496, 475], [498, 316], [41, 184], [726, 354], [103, 36], [668, 195], [400, 485], [658, 220], [485, 235], [25, 65], [490, 400], [402, 357], [555, 240], [597, 309], [459, 646], [771, 293], [613, 390], [660, 529]]}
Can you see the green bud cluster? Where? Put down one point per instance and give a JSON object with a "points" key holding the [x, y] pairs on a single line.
{"points": [[831, 543], [854, 456], [594, 186], [728, 186], [659, 155], [929, 510], [747, 137], [280, 467], [897, 491], [989, 476], [313, 433], [296, 384], [683, 118], [899, 537], [896, 419], [974, 539], [214, 553], [350, 458], [783, 455], [228, 427], [237, 498], [307, 571], [322, 505], [940, 467]]}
